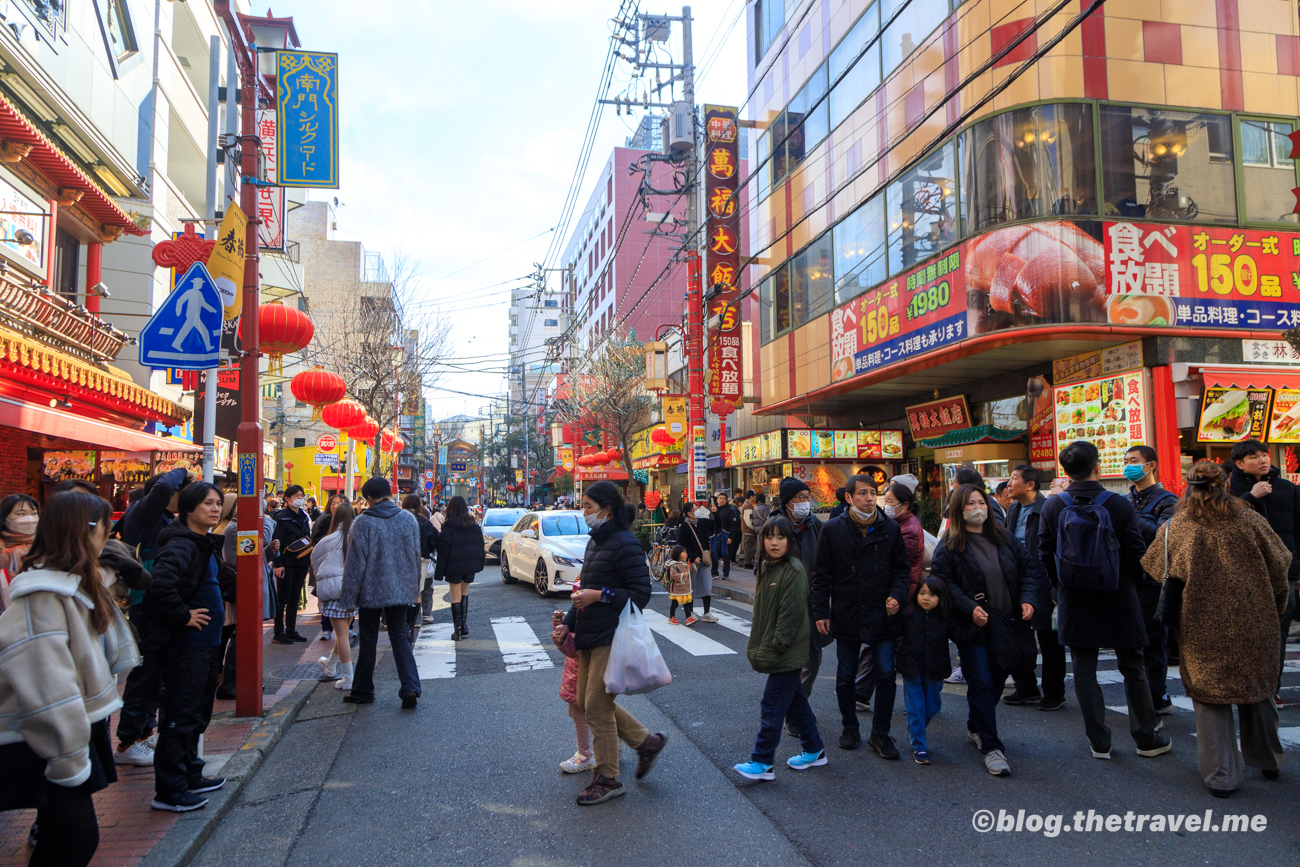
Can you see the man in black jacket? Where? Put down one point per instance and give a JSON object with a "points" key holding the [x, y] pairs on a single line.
{"points": [[1089, 620], [292, 562], [726, 520], [858, 580], [1154, 505], [1259, 483], [1022, 522]]}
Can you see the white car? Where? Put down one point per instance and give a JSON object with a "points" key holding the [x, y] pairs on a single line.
{"points": [[494, 524], [546, 547]]}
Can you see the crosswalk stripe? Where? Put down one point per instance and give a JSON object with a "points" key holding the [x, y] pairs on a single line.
{"points": [[435, 652], [685, 637], [732, 622], [519, 645]]}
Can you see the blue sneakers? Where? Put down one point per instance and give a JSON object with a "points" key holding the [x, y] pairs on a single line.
{"points": [[755, 771], [807, 760]]}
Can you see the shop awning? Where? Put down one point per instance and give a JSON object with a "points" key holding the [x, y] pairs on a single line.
{"points": [[57, 423], [967, 436], [1251, 377]]}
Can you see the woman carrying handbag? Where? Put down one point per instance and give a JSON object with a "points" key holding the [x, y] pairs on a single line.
{"points": [[696, 530], [327, 561], [1233, 570]]}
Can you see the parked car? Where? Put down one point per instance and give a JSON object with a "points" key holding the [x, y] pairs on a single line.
{"points": [[495, 523], [546, 546]]}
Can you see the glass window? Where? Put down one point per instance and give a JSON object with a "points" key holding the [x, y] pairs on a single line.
{"points": [[764, 174], [770, 15], [860, 250], [910, 28], [1167, 165], [1031, 162], [778, 167], [564, 525], [765, 311], [865, 75], [781, 301], [804, 109], [922, 211], [811, 281], [1267, 171], [504, 518]]}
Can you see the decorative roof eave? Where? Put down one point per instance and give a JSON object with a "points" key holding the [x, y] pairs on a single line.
{"points": [[21, 140], [969, 436]]}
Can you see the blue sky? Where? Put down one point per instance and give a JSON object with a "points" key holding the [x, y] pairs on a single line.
{"points": [[461, 129]]}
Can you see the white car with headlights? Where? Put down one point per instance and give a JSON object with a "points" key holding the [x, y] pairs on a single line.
{"points": [[494, 524], [546, 548]]}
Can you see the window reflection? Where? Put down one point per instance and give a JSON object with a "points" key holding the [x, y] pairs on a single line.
{"points": [[1267, 171], [864, 74], [781, 300], [860, 250], [1032, 162], [1167, 165], [917, 21], [922, 211], [811, 294]]}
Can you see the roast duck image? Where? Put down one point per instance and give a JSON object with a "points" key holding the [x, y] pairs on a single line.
{"points": [[1030, 274]]}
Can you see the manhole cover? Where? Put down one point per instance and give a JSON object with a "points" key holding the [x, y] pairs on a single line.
{"points": [[306, 671]]}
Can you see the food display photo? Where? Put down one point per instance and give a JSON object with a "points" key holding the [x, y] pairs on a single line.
{"points": [[1108, 412], [1232, 415]]}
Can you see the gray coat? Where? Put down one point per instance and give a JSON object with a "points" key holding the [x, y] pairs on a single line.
{"points": [[383, 563]]}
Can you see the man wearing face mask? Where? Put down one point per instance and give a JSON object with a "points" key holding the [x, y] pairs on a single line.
{"points": [[859, 578], [292, 562], [1155, 506]]}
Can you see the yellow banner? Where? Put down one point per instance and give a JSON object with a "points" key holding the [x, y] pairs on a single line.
{"points": [[675, 415], [566, 458], [226, 264]]}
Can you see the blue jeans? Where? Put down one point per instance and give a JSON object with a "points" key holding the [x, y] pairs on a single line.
{"points": [[784, 700], [718, 548], [399, 636], [846, 653], [921, 697], [984, 685]]}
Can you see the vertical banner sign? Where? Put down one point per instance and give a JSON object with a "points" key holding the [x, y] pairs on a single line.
{"points": [[270, 200], [307, 133], [699, 464], [226, 263], [674, 412], [722, 259]]}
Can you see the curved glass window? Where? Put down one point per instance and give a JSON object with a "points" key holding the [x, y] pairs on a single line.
{"points": [[910, 28], [860, 250], [1167, 165], [1267, 170], [864, 74], [1030, 162], [922, 210], [811, 281]]}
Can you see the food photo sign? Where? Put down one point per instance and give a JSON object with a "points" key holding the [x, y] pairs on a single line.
{"points": [[1133, 274], [1109, 413]]}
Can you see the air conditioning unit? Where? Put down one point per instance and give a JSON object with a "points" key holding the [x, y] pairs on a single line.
{"points": [[681, 129]]}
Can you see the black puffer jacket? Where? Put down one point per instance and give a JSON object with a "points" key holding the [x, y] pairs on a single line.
{"points": [[965, 581], [853, 575], [924, 645], [460, 549], [1278, 508], [614, 560], [180, 566], [290, 526], [429, 536], [143, 522]]}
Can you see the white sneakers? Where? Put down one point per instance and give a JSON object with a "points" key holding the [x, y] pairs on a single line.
{"points": [[956, 676], [996, 763], [330, 664], [139, 754], [344, 674], [576, 764], [709, 618]]}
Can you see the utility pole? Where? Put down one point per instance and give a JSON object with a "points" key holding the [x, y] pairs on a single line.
{"points": [[211, 377], [694, 281]]}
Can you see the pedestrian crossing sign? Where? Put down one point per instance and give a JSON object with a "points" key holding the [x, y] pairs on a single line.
{"points": [[185, 332]]}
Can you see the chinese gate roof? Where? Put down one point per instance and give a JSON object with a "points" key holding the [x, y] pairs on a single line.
{"points": [[969, 436]]}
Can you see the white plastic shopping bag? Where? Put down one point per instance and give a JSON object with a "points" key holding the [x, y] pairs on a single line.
{"points": [[635, 663]]}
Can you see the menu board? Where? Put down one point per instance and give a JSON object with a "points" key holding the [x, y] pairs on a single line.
{"points": [[823, 444], [798, 444], [1108, 412], [846, 444], [869, 445], [763, 448], [165, 462], [1284, 420], [891, 445], [125, 466], [59, 466], [863, 445], [1232, 415]]}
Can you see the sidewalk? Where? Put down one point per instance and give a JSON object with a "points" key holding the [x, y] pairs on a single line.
{"points": [[739, 586], [130, 833]]}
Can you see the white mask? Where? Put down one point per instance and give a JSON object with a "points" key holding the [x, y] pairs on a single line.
{"points": [[861, 515], [889, 510], [975, 517], [299, 503], [702, 513], [594, 521], [800, 510], [22, 525]]}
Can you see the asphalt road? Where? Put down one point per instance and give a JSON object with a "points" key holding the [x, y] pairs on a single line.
{"points": [[470, 777]]}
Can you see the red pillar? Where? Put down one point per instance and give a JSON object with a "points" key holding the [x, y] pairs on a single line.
{"points": [[94, 274], [1164, 419]]}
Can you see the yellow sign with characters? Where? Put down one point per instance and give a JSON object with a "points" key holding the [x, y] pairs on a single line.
{"points": [[226, 264], [674, 412]]}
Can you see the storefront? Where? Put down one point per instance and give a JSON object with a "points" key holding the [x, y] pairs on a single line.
{"points": [[822, 459], [322, 472]]}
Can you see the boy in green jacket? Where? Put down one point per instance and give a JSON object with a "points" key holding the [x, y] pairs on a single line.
{"points": [[779, 638]]}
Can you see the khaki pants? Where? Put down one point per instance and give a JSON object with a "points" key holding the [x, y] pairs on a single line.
{"points": [[1216, 741], [607, 720], [748, 549]]}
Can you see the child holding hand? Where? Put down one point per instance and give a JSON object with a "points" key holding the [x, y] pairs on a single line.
{"points": [[679, 585], [922, 660], [584, 759]]}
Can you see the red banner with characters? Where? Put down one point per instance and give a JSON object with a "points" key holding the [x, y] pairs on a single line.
{"points": [[723, 249], [938, 417]]}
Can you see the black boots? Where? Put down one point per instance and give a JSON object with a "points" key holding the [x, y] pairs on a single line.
{"points": [[464, 617], [457, 621]]}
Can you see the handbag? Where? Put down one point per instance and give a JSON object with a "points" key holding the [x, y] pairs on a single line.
{"points": [[706, 557], [1010, 639], [1169, 610], [635, 664]]}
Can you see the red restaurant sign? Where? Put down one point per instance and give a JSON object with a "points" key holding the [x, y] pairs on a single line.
{"points": [[938, 417], [722, 258]]}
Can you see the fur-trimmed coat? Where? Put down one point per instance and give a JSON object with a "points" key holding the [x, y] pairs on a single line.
{"points": [[1236, 574]]}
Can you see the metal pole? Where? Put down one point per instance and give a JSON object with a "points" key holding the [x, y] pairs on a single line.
{"points": [[694, 280], [211, 377]]}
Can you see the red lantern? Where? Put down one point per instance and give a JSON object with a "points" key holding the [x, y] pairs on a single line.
{"points": [[318, 388], [343, 415], [661, 436], [366, 431], [391, 442], [282, 330]]}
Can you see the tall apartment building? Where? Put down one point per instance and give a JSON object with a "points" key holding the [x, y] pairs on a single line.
{"points": [[538, 318]]}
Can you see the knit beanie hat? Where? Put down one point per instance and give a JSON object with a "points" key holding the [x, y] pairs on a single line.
{"points": [[791, 488], [908, 480]]}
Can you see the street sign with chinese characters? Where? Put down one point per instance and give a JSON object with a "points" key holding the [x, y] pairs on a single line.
{"points": [[938, 417], [307, 136], [226, 263], [270, 200], [723, 253], [1269, 352]]}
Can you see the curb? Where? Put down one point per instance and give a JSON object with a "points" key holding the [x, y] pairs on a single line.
{"points": [[184, 839], [737, 593]]}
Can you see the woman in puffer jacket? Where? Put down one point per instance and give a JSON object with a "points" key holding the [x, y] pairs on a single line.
{"points": [[327, 562], [62, 643]]}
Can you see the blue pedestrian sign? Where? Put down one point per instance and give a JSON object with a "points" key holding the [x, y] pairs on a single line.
{"points": [[185, 331]]}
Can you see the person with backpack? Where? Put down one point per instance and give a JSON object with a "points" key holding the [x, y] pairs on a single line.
{"points": [[292, 562], [726, 521], [1023, 518], [795, 502], [1154, 505], [1091, 547]]}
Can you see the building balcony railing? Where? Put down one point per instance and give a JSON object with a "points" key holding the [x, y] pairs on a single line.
{"points": [[31, 308]]}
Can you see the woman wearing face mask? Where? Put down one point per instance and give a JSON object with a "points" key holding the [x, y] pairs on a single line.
{"points": [[899, 503], [985, 569], [19, 515], [614, 572]]}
